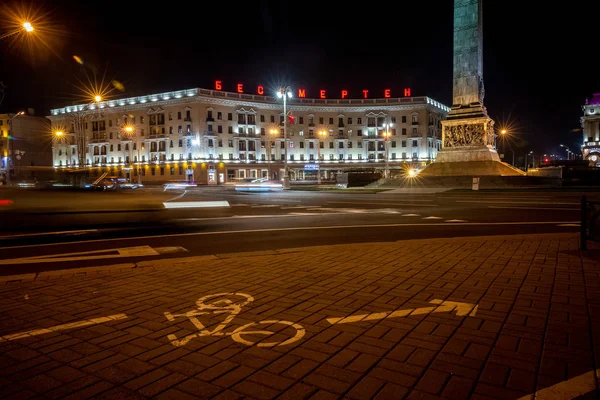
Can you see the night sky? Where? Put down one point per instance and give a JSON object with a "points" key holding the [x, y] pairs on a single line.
{"points": [[540, 63]]}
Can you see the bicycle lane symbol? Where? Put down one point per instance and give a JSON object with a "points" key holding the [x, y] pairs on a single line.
{"points": [[221, 303]]}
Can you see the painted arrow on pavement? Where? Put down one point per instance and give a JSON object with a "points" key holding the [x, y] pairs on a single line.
{"points": [[462, 310]]}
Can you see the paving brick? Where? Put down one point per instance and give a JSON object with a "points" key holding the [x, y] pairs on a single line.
{"points": [[255, 390], [391, 391], [458, 388], [232, 377], [198, 388], [365, 389], [433, 381], [299, 391]]}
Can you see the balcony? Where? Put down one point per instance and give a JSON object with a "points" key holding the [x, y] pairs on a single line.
{"points": [[415, 123], [98, 141], [188, 119], [210, 119]]}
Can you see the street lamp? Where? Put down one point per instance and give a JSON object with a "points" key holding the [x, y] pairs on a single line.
{"points": [[8, 146], [568, 151], [386, 136], [25, 27], [532, 159], [273, 133], [322, 134], [285, 92], [129, 130], [59, 134]]}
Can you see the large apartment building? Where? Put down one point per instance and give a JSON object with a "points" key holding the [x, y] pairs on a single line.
{"points": [[219, 136]]}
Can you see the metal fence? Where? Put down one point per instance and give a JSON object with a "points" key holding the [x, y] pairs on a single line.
{"points": [[590, 229]]}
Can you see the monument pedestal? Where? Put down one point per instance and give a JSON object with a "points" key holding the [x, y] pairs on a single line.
{"points": [[468, 138]]}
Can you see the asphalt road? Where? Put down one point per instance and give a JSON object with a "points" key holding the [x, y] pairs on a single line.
{"points": [[58, 230]]}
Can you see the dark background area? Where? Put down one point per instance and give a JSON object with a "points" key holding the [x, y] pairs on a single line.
{"points": [[540, 62]]}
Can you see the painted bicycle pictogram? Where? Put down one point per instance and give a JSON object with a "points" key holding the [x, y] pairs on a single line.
{"points": [[222, 303]]}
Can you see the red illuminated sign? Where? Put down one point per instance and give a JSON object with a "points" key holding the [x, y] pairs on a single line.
{"points": [[344, 93]]}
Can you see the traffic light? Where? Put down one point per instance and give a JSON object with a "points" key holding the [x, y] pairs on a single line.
{"points": [[291, 119]]}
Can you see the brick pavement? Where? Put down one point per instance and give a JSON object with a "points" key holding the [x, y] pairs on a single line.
{"points": [[536, 324]]}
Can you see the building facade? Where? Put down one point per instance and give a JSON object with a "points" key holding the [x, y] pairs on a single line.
{"points": [[590, 124], [25, 141], [214, 137]]}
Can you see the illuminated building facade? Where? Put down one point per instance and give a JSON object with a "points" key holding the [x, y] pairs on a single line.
{"points": [[223, 136], [590, 122]]}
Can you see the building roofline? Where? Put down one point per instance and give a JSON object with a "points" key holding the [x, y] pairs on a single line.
{"points": [[251, 100]]}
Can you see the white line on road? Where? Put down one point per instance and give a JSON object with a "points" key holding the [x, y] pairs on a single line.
{"points": [[569, 389], [195, 204], [398, 204], [70, 325], [514, 202], [411, 215], [76, 232], [299, 228], [456, 220], [178, 197], [535, 208], [568, 225], [432, 217]]}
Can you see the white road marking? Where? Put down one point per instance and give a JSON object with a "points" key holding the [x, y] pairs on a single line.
{"points": [[568, 225], [137, 251], [569, 389], [432, 217], [462, 310], [411, 215], [456, 220], [298, 228], [535, 208], [513, 202], [397, 204], [70, 325], [195, 204], [294, 207], [264, 205], [76, 232]]}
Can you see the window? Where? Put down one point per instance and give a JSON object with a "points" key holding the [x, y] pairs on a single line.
{"points": [[262, 118], [330, 121], [321, 120], [415, 119], [359, 132], [404, 119], [404, 131], [219, 128], [349, 121], [301, 145], [230, 129], [272, 119], [311, 145], [415, 143], [219, 115], [359, 121], [415, 131], [393, 119], [301, 120]]}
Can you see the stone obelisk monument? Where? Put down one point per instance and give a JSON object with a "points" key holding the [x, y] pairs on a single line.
{"points": [[468, 131]]}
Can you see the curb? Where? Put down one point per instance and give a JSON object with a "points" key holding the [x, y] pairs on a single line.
{"points": [[181, 261]]}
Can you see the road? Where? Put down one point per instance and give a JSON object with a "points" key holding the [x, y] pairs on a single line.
{"points": [[94, 222]]}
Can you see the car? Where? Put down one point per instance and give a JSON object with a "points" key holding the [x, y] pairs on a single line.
{"points": [[259, 185]]}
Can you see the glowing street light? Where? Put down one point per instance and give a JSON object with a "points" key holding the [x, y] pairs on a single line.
{"points": [[285, 92], [97, 98], [272, 133], [130, 131], [322, 133], [27, 26], [386, 136]]}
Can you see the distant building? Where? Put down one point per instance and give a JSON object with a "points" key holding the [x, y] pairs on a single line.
{"points": [[221, 136], [25, 144], [590, 122]]}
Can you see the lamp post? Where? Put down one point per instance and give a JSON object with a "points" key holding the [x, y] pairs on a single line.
{"points": [[8, 146], [322, 134], [568, 151], [273, 133], [285, 92], [532, 159], [26, 27], [59, 135], [386, 136], [130, 131]]}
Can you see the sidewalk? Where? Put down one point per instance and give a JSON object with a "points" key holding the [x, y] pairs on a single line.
{"points": [[462, 318]]}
